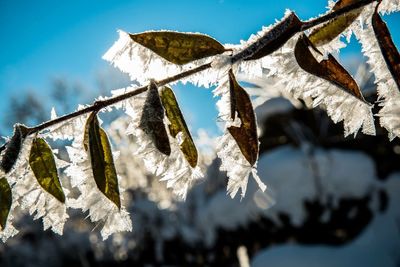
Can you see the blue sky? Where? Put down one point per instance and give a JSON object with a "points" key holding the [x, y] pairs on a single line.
{"points": [[45, 39]]}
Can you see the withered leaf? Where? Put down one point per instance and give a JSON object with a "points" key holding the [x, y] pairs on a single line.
{"points": [[274, 38], [178, 125], [179, 48], [5, 201], [328, 69], [43, 165], [246, 135], [12, 148], [330, 30], [102, 161], [388, 48], [152, 120]]}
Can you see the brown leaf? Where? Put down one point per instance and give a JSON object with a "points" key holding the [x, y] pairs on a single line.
{"points": [[178, 125], [179, 48], [388, 48], [274, 38], [330, 30], [246, 135], [152, 120], [102, 161], [328, 69]]}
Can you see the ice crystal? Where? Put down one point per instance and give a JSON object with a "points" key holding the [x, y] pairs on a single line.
{"points": [[388, 92]]}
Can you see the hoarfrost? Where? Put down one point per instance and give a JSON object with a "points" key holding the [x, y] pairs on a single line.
{"points": [[387, 89]]}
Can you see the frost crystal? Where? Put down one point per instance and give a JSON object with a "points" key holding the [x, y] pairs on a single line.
{"points": [[174, 169], [142, 64], [389, 6], [232, 160], [101, 210], [386, 86]]}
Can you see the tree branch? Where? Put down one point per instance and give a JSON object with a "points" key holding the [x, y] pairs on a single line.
{"points": [[98, 105]]}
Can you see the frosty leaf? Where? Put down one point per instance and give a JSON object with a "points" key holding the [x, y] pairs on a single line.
{"points": [[388, 48], [152, 120], [5, 201], [274, 38], [179, 48], [178, 125], [246, 134], [329, 31], [12, 148], [41, 160], [328, 69], [103, 167]]}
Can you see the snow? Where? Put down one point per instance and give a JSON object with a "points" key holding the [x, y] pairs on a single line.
{"points": [[291, 180], [378, 245]]}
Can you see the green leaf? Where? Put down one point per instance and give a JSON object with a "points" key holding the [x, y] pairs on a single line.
{"points": [[387, 46], [5, 201], [274, 38], [178, 125], [102, 161], [179, 48], [330, 30], [43, 165], [246, 135], [328, 69], [152, 120], [12, 148]]}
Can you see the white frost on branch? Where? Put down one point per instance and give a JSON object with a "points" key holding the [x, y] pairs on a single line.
{"points": [[142, 64], [62, 131], [101, 210], [174, 169], [232, 160], [388, 92]]}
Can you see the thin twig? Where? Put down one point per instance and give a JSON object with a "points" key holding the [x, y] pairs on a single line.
{"points": [[98, 105]]}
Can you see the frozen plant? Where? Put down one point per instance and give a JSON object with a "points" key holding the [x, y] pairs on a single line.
{"points": [[296, 53]]}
